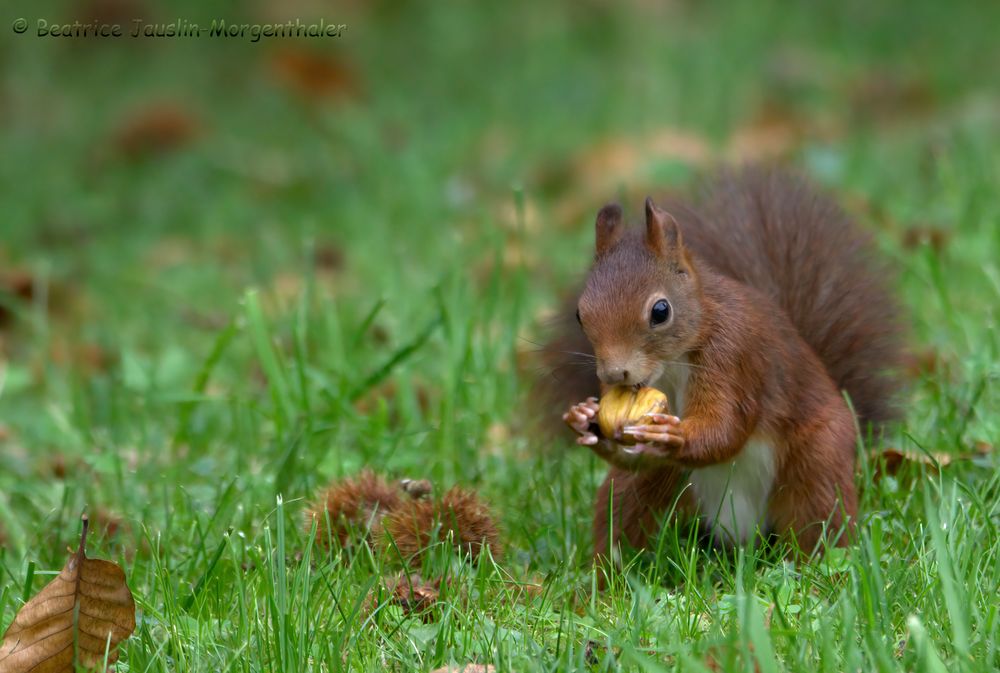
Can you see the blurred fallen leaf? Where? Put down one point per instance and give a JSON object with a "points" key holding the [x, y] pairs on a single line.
{"points": [[732, 658], [891, 460], [596, 174], [466, 668], [413, 594], [328, 257], [75, 620], [983, 448], [87, 358], [17, 284], [936, 237], [155, 129], [107, 522], [773, 133], [314, 74], [922, 362], [388, 391], [621, 160], [889, 96]]}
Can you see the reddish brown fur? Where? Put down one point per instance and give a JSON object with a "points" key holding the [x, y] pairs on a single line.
{"points": [[777, 306]]}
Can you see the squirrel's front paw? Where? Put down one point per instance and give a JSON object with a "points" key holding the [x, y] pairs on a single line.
{"points": [[580, 417], [659, 440], [662, 432]]}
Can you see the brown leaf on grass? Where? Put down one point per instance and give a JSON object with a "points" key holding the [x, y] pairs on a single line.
{"points": [[935, 237], [87, 358], [619, 160], [922, 362], [460, 517], [599, 171], [314, 74], [107, 522], [156, 129], [328, 257], [84, 612], [352, 508], [413, 594], [731, 658], [982, 448], [466, 668], [889, 96], [773, 133], [388, 391], [891, 460], [16, 284]]}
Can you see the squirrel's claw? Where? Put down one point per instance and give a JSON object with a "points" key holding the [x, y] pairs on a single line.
{"points": [[661, 438], [580, 416]]}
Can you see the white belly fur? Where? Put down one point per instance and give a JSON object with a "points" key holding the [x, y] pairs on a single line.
{"points": [[732, 497]]}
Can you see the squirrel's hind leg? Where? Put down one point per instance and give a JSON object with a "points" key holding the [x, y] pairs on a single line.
{"points": [[631, 505], [816, 500]]}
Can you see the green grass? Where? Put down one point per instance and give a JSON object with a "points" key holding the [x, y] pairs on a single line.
{"points": [[227, 399]]}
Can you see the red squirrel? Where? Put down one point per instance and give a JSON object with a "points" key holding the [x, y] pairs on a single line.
{"points": [[754, 310]]}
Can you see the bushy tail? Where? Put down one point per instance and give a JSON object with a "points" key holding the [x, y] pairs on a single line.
{"points": [[773, 231]]}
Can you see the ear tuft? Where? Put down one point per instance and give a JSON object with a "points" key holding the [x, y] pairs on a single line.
{"points": [[662, 232], [608, 227]]}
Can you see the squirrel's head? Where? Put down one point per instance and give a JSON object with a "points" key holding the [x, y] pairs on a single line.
{"points": [[641, 305]]}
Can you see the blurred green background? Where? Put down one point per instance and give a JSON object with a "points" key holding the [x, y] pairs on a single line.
{"points": [[233, 270]]}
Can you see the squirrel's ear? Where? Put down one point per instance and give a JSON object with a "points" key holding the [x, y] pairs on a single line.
{"points": [[662, 232], [608, 227]]}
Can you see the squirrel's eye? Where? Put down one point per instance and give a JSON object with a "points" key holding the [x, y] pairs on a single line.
{"points": [[660, 313]]}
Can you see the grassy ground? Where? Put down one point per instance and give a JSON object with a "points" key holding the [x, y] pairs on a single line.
{"points": [[321, 267]]}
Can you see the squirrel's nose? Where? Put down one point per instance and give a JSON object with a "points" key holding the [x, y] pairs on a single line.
{"points": [[613, 376]]}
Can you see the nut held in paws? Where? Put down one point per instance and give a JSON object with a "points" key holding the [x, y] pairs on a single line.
{"points": [[624, 405]]}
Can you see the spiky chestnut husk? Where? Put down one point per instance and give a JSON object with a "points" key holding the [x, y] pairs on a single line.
{"points": [[459, 516], [350, 511], [622, 406]]}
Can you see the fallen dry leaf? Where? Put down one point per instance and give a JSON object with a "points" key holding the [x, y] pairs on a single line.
{"points": [[731, 656], [919, 363], [314, 74], [73, 621], [156, 129], [466, 668], [891, 460], [413, 594], [936, 237], [328, 257], [16, 283], [890, 96]]}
